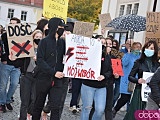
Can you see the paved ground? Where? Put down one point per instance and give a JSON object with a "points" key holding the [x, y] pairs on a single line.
{"points": [[67, 115]]}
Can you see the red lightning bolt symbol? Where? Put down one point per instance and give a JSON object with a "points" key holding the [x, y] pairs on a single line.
{"points": [[69, 53]]}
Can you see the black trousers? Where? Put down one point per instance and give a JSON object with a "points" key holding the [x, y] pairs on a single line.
{"points": [[47, 108], [109, 103], [76, 88], [122, 101], [27, 95], [57, 95]]}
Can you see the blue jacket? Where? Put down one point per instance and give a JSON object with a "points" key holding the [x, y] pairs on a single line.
{"points": [[127, 63]]}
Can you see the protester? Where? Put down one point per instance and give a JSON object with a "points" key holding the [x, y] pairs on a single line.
{"points": [[115, 44], [148, 62], [117, 80], [153, 102], [27, 82], [49, 76], [1, 30], [10, 69], [96, 90], [127, 63], [76, 83], [127, 46]]}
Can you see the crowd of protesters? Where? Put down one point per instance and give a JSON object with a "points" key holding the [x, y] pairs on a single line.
{"points": [[42, 80]]}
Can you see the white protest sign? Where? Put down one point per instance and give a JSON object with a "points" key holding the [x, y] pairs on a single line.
{"points": [[83, 57], [145, 90]]}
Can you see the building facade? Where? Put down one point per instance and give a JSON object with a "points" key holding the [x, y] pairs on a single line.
{"points": [[29, 11], [117, 8]]}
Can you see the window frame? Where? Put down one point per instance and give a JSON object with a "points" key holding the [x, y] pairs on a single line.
{"points": [[10, 13], [24, 15]]}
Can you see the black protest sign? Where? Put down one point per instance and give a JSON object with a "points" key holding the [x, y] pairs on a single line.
{"points": [[153, 27], [20, 40]]}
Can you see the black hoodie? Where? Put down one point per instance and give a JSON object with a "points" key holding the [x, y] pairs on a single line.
{"points": [[50, 51]]}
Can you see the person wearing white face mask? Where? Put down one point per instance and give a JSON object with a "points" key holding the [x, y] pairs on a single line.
{"points": [[148, 62]]}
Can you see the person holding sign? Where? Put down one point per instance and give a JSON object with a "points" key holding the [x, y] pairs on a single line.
{"points": [[127, 63], [27, 82], [148, 62], [9, 68], [51, 50], [95, 90]]}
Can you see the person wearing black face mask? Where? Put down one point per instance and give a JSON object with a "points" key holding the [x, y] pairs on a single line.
{"points": [[27, 82], [36, 41], [60, 32], [50, 70]]}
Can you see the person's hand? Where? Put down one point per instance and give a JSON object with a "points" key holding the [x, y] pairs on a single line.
{"points": [[11, 57], [59, 75], [116, 75], [100, 78], [141, 80], [4, 62], [35, 58]]}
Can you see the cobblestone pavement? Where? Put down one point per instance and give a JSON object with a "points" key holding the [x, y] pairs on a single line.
{"points": [[67, 115]]}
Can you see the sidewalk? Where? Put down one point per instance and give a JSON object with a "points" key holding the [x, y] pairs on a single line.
{"points": [[67, 115]]}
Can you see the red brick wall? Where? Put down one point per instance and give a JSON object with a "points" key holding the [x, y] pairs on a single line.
{"points": [[37, 3]]}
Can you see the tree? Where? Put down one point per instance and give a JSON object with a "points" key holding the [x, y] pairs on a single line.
{"points": [[85, 10]]}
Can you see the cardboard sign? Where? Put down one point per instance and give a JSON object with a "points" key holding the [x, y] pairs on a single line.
{"points": [[104, 20], [83, 28], [153, 27], [55, 8], [83, 57], [20, 40], [145, 90], [117, 66]]}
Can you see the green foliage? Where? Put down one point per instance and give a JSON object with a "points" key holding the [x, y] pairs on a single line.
{"points": [[85, 10]]}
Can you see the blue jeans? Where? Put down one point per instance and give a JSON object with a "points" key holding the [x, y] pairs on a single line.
{"points": [[6, 72], [88, 94]]}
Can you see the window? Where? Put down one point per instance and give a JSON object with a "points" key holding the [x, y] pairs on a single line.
{"points": [[136, 6], [121, 11], [10, 13], [129, 8], [23, 15]]}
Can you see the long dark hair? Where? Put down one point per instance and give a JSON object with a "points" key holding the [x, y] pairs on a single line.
{"points": [[146, 45], [41, 24]]}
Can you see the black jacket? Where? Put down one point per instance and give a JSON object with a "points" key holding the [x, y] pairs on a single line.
{"points": [[18, 63], [50, 52], [155, 87], [139, 68], [106, 71]]}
